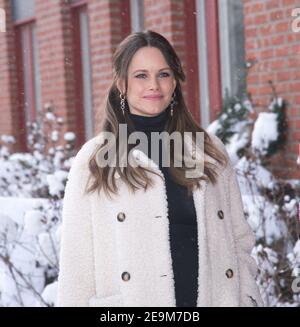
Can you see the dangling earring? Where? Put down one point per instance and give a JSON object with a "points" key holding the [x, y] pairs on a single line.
{"points": [[172, 104], [122, 102]]}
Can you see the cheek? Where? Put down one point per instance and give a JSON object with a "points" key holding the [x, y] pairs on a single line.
{"points": [[135, 89], [167, 88], [168, 85]]}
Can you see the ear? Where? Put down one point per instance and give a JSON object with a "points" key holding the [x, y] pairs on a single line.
{"points": [[120, 85]]}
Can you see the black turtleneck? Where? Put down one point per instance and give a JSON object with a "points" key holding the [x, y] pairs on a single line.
{"points": [[182, 219]]}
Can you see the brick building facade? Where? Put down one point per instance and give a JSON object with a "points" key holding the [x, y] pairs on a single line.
{"points": [[60, 52]]}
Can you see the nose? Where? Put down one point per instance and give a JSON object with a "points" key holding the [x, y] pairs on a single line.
{"points": [[154, 84]]}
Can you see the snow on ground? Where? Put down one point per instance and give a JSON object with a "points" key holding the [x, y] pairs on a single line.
{"points": [[17, 213]]}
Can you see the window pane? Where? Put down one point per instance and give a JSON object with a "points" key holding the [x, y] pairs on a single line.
{"points": [[137, 15], [86, 72], [27, 72], [232, 46], [23, 9], [36, 70], [30, 71]]}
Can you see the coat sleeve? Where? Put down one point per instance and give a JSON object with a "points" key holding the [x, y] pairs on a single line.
{"points": [[76, 267], [244, 237], [245, 241]]}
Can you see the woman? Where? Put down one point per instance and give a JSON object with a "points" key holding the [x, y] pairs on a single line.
{"points": [[144, 234]]}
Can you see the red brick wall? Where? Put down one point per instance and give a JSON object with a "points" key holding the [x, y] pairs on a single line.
{"points": [[53, 22], [271, 41], [8, 78], [106, 32], [54, 45]]}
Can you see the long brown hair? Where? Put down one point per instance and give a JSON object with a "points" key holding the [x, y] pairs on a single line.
{"points": [[181, 121]]}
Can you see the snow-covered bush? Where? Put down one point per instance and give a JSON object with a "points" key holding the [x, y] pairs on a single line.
{"points": [[31, 191], [42, 171], [233, 125], [270, 128]]}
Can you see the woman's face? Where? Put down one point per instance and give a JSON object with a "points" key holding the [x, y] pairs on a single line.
{"points": [[151, 82]]}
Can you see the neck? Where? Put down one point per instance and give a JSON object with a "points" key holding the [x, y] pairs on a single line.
{"points": [[150, 123]]}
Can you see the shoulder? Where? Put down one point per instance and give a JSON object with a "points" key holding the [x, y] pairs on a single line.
{"points": [[221, 147], [87, 149], [79, 172], [217, 142]]}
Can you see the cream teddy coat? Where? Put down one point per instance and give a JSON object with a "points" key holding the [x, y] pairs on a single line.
{"points": [[117, 252]]}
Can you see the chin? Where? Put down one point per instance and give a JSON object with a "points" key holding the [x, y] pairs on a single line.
{"points": [[155, 111], [150, 112]]}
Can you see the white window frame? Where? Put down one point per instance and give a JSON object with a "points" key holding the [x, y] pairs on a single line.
{"points": [[202, 64], [233, 72], [86, 75], [22, 10], [137, 15]]}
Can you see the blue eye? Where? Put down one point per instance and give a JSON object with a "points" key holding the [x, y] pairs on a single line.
{"points": [[164, 74], [138, 76]]}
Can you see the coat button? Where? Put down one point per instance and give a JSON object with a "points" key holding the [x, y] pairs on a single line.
{"points": [[221, 214], [229, 273], [125, 276], [121, 216]]}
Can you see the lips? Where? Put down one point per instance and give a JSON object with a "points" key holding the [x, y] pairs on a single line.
{"points": [[153, 97]]}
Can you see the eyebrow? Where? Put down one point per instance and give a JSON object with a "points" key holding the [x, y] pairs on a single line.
{"points": [[145, 70]]}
